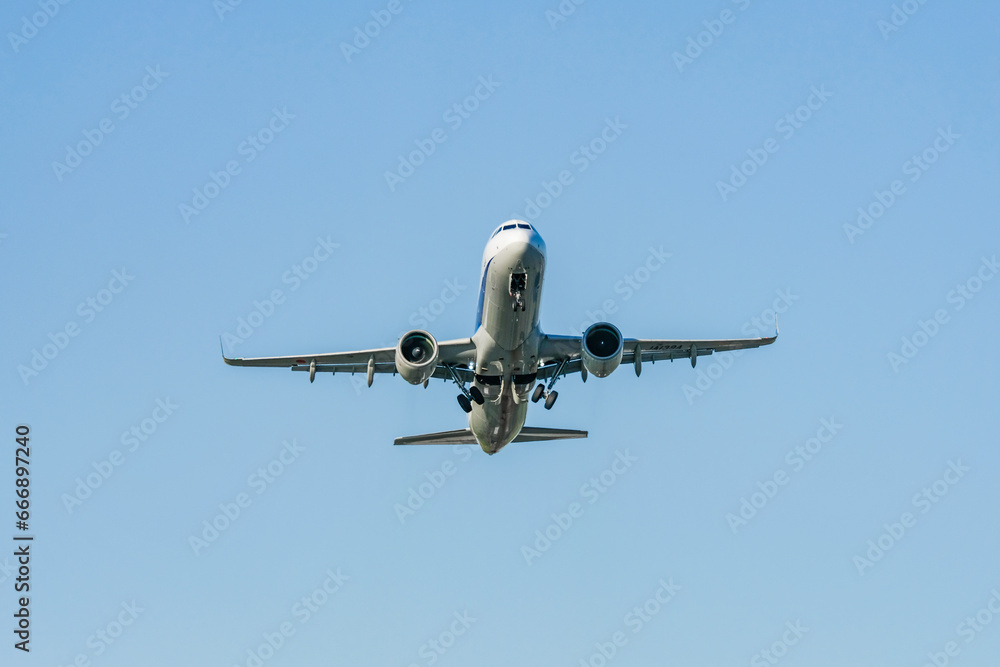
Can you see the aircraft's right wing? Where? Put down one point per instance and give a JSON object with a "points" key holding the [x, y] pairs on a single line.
{"points": [[455, 353]]}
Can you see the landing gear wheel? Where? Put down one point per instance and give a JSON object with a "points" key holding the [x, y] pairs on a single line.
{"points": [[538, 393], [464, 402], [550, 400], [477, 395]]}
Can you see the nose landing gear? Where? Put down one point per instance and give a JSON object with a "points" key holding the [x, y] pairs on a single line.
{"points": [[518, 283]]}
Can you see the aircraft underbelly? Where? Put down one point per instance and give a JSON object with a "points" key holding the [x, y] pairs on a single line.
{"points": [[507, 343], [496, 424]]}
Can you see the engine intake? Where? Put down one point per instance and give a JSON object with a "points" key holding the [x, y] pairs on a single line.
{"points": [[602, 349], [416, 356]]}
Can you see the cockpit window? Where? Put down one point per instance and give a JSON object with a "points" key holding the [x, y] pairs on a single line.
{"points": [[512, 225]]}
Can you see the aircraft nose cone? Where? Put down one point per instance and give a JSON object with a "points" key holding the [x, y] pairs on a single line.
{"points": [[523, 249]]}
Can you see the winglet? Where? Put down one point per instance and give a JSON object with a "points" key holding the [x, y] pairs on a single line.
{"points": [[775, 325], [222, 348]]}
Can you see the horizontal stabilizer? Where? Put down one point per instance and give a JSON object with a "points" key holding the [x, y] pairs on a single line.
{"points": [[465, 436], [532, 434], [462, 437]]}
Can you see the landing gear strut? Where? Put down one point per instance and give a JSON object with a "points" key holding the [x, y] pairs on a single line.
{"points": [[468, 396], [547, 392]]}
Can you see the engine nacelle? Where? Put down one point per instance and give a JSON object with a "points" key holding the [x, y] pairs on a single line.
{"points": [[416, 356], [603, 347]]}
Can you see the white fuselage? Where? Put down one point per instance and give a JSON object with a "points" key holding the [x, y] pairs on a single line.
{"points": [[507, 333]]}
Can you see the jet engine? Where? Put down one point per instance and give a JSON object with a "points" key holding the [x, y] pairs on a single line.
{"points": [[416, 356], [602, 349]]}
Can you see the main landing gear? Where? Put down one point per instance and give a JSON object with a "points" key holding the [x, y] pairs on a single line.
{"points": [[549, 394], [468, 396], [550, 400]]}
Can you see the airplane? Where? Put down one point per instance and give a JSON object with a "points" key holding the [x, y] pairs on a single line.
{"points": [[507, 354]]}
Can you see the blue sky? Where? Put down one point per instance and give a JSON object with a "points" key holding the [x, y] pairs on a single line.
{"points": [[184, 166]]}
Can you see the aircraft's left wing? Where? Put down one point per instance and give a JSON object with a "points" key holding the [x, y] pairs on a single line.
{"points": [[560, 355], [453, 353]]}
